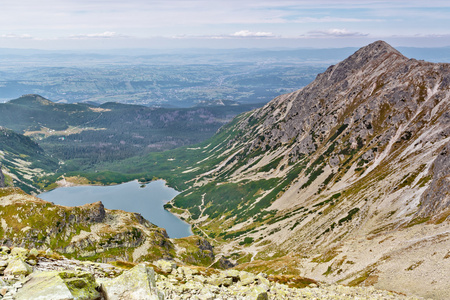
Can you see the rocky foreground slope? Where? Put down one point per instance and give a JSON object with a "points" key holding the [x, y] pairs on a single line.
{"points": [[42, 275], [345, 180]]}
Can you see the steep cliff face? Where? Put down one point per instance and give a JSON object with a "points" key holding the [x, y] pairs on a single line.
{"points": [[328, 174]]}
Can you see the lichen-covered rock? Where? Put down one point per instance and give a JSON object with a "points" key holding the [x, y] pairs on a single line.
{"points": [[221, 280], [82, 285], [232, 274], [34, 252], [5, 250], [165, 265], [19, 252], [17, 267], [246, 278], [136, 284], [257, 293], [59, 286]]}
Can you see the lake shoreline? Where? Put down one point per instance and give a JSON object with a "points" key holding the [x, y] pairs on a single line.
{"points": [[147, 199]]}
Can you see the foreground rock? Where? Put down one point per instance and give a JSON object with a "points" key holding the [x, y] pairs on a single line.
{"points": [[135, 284], [59, 285], [58, 278]]}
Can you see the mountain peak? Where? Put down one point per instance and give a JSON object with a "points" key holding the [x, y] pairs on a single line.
{"points": [[378, 48], [377, 51], [32, 99], [368, 57]]}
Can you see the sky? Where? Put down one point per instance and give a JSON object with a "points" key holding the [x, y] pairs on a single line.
{"points": [[159, 24]]}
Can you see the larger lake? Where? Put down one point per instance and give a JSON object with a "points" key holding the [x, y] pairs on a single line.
{"points": [[148, 200]]}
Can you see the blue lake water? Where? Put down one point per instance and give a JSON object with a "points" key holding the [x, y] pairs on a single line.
{"points": [[131, 197]]}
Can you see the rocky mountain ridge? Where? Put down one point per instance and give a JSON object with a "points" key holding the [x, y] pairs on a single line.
{"points": [[91, 232], [320, 178]]}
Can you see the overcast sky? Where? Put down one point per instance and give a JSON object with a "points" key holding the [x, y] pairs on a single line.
{"points": [[93, 24]]}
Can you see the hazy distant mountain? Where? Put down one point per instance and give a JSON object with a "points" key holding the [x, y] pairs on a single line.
{"points": [[86, 134]]}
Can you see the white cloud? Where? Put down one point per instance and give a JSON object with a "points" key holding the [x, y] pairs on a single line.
{"points": [[247, 33], [16, 36], [334, 32], [103, 35], [238, 34]]}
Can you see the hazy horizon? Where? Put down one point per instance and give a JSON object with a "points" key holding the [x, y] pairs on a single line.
{"points": [[178, 24]]}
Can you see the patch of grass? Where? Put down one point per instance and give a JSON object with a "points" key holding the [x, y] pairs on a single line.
{"points": [[123, 264], [349, 216], [313, 177], [357, 281], [272, 165], [417, 221], [292, 281], [330, 199], [246, 241]]}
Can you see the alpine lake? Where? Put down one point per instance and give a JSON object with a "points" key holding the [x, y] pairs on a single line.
{"points": [[146, 199]]}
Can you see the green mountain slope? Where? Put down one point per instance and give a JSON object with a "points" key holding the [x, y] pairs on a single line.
{"points": [[83, 135], [23, 161]]}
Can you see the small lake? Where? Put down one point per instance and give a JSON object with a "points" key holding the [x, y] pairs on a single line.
{"points": [[147, 200]]}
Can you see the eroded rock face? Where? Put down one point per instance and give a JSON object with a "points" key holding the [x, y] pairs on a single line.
{"points": [[97, 212], [435, 202]]}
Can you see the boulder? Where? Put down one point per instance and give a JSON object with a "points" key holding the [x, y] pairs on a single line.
{"points": [[17, 267], [34, 252], [56, 285], [246, 278], [82, 285], [19, 252], [263, 282], [5, 250], [257, 293], [165, 265], [221, 281], [232, 274], [135, 284]]}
